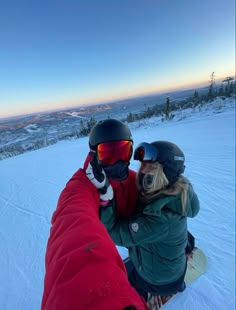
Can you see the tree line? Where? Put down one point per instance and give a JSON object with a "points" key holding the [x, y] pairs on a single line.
{"points": [[166, 110], [226, 89]]}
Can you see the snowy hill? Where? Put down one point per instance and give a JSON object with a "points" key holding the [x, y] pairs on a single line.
{"points": [[31, 183]]}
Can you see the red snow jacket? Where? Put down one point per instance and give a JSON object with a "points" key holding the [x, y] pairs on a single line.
{"points": [[83, 267]]}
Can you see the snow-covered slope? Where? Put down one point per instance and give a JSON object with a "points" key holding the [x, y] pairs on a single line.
{"points": [[31, 183]]}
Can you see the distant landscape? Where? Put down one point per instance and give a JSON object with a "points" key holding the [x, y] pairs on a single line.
{"points": [[34, 131]]}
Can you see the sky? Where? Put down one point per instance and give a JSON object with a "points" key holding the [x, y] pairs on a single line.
{"points": [[63, 53], [30, 185]]}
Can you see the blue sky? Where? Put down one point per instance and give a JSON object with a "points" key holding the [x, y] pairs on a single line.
{"points": [[63, 53]]}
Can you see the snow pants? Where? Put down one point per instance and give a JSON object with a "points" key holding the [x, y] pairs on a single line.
{"points": [[143, 287]]}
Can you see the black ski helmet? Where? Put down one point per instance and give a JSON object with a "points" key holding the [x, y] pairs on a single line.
{"points": [[172, 159], [108, 130]]}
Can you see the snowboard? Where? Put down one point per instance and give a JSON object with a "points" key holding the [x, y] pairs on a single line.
{"points": [[196, 266]]}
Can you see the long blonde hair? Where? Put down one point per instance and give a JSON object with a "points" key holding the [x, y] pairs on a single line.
{"points": [[155, 183]]}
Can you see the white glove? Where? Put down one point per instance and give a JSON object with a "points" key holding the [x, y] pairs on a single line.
{"points": [[97, 176], [108, 194]]}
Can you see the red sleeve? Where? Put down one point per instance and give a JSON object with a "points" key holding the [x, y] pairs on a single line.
{"points": [[83, 267]]}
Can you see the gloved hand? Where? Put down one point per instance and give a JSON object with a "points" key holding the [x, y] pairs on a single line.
{"points": [[97, 176]]}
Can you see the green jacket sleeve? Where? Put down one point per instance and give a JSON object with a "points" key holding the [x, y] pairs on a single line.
{"points": [[135, 229], [193, 201]]}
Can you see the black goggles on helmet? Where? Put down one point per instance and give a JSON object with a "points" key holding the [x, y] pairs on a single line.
{"points": [[146, 152]]}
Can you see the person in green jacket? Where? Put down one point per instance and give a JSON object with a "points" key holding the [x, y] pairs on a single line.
{"points": [[156, 234]]}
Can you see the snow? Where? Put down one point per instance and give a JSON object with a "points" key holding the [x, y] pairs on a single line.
{"points": [[32, 128], [30, 185]]}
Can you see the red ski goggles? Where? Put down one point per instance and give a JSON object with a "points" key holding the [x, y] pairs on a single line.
{"points": [[146, 152], [112, 151]]}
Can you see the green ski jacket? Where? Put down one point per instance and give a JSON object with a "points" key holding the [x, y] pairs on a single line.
{"points": [[156, 236]]}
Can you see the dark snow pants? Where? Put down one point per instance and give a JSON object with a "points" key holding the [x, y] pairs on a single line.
{"points": [[143, 287]]}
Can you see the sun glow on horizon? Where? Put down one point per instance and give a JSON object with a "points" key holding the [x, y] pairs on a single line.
{"points": [[41, 106]]}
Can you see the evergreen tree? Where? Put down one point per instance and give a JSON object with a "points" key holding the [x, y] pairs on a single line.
{"points": [[91, 122], [211, 92], [168, 109], [130, 117], [81, 123], [232, 88], [196, 97], [229, 86], [85, 128], [221, 90]]}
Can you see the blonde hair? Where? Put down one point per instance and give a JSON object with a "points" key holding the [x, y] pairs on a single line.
{"points": [[155, 183]]}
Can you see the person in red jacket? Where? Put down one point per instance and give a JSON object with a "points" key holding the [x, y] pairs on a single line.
{"points": [[84, 270]]}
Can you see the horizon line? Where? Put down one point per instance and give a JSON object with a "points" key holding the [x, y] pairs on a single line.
{"points": [[198, 85]]}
